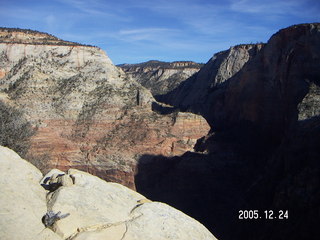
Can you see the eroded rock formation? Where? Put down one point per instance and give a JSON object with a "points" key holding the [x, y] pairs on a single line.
{"points": [[28, 36], [82, 207], [195, 93], [258, 154], [161, 77], [81, 111], [262, 152]]}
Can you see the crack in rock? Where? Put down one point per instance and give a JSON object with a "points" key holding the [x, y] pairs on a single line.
{"points": [[99, 227], [125, 232], [56, 179]]}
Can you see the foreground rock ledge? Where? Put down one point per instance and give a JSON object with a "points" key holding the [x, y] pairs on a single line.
{"points": [[98, 209]]}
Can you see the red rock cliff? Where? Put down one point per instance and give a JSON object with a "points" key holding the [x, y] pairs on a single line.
{"points": [[83, 111]]}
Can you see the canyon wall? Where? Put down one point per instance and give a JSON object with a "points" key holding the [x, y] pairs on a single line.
{"points": [[74, 108], [161, 77], [195, 93], [262, 152], [67, 106]]}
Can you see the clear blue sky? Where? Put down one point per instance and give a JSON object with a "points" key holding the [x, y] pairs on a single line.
{"points": [[132, 31]]}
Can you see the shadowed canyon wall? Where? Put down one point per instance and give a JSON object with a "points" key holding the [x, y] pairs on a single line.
{"points": [[262, 152]]}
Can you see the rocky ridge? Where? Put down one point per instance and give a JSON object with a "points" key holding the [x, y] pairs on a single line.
{"points": [[76, 205], [74, 108], [262, 151], [27, 36], [195, 93], [161, 77]]}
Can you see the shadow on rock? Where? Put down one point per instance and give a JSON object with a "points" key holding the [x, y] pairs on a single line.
{"points": [[161, 109], [209, 188], [214, 187]]}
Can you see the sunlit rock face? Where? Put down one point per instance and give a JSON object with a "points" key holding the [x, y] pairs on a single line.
{"points": [[195, 93], [161, 77], [77, 205], [76, 109]]}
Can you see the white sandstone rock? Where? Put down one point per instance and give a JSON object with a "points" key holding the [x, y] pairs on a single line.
{"points": [[22, 200], [90, 208], [104, 210]]}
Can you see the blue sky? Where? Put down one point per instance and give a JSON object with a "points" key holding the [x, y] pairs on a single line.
{"points": [[132, 31]]}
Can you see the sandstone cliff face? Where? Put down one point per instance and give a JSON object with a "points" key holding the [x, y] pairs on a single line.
{"points": [[78, 206], [258, 154], [161, 77], [279, 79], [194, 94], [81, 111]]}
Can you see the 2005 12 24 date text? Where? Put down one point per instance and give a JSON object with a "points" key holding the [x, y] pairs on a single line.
{"points": [[266, 214]]}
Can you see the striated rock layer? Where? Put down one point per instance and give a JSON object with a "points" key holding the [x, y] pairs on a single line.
{"points": [[74, 108], [27, 36], [161, 77], [78, 205]]}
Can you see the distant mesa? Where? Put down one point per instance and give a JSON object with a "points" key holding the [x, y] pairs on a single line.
{"points": [[161, 64], [161, 77]]}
